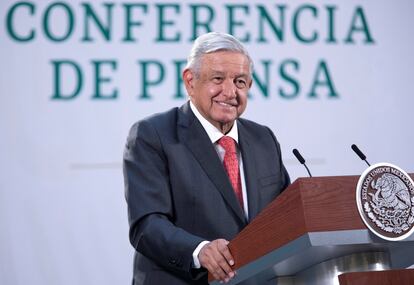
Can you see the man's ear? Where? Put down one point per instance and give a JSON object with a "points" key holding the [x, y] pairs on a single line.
{"points": [[188, 78]]}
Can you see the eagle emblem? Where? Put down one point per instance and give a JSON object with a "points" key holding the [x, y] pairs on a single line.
{"points": [[385, 199]]}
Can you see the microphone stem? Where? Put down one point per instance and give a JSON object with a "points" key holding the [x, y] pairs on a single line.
{"points": [[307, 169], [367, 162]]}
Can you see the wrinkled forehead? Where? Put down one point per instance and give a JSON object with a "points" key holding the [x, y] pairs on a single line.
{"points": [[225, 61]]}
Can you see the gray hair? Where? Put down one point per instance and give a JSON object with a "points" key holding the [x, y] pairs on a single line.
{"points": [[214, 42]]}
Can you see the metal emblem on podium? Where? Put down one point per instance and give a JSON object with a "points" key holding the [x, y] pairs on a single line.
{"points": [[385, 200]]}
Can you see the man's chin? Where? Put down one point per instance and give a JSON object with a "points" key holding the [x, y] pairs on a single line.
{"points": [[227, 117], [226, 121]]}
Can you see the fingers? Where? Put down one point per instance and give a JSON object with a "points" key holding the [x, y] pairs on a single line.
{"points": [[217, 259], [225, 251]]}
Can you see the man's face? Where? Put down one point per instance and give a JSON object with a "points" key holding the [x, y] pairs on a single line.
{"points": [[220, 90]]}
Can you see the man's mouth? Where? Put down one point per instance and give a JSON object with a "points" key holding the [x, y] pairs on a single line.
{"points": [[226, 104]]}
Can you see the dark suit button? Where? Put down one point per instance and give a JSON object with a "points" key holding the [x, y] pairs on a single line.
{"points": [[173, 261]]}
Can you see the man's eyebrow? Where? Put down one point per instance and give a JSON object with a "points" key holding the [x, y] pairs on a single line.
{"points": [[214, 71], [243, 75], [217, 71]]}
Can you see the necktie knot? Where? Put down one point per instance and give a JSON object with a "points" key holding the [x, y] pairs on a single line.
{"points": [[228, 144]]}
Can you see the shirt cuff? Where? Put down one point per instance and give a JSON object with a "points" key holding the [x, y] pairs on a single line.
{"points": [[196, 262]]}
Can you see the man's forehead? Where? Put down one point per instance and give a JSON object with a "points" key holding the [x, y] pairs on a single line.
{"points": [[225, 54], [219, 62]]}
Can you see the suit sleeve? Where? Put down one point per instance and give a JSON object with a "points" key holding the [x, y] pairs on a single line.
{"points": [[149, 198]]}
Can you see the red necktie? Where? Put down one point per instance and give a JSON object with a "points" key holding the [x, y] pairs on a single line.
{"points": [[231, 165]]}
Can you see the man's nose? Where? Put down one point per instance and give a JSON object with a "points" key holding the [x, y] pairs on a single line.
{"points": [[229, 89]]}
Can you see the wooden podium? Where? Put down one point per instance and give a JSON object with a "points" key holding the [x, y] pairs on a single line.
{"points": [[313, 222]]}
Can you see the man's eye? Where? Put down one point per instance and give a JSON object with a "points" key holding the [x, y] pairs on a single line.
{"points": [[240, 83], [217, 79]]}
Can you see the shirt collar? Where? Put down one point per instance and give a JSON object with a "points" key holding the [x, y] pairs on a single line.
{"points": [[213, 133]]}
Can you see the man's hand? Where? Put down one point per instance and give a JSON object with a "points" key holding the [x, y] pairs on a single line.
{"points": [[215, 256]]}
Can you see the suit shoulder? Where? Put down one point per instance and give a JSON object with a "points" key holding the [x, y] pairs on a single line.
{"points": [[153, 125], [254, 127], [159, 120]]}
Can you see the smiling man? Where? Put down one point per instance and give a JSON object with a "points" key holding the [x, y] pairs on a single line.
{"points": [[196, 175]]}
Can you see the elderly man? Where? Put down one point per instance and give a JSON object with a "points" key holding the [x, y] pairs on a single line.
{"points": [[196, 175]]}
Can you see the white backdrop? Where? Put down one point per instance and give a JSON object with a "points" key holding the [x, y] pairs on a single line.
{"points": [[63, 216]]}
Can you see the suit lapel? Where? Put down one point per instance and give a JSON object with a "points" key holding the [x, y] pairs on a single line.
{"points": [[249, 167], [196, 139]]}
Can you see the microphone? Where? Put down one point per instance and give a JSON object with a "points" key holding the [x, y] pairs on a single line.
{"points": [[301, 160], [360, 154]]}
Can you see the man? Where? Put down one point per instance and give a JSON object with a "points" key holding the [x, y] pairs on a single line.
{"points": [[196, 175]]}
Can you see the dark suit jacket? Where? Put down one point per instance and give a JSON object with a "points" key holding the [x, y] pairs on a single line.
{"points": [[178, 193]]}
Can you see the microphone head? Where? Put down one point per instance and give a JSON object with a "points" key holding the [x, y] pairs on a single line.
{"points": [[298, 156], [358, 152]]}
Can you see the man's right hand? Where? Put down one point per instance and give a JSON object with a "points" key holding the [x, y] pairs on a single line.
{"points": [[215, 256]]}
